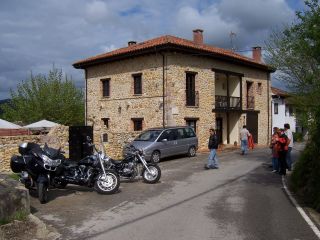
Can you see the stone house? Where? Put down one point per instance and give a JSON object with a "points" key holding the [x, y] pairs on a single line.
{"points": [[170, 81]]}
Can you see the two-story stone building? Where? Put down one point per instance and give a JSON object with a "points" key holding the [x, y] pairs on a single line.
{"points": [[170, 81]]}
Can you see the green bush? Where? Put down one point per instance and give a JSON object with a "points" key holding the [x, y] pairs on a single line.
{"points": [[20, 215], [297, 137], [305, 178]]}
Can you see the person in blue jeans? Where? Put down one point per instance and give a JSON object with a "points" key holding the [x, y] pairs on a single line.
{"points": [[244, 134], [213, 146]]}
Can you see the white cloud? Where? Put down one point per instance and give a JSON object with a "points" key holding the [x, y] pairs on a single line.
{"points": [[250, 20], [97, 11], [34, 34], [108, 48]]}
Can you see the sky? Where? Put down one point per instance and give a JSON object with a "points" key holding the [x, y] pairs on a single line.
{"points": [[36, 35]]}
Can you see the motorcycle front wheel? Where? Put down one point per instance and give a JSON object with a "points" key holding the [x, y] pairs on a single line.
{"points": [[42, 193], [109, 184], [153, 176]]}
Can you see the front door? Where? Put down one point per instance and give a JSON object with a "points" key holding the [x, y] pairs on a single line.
{"points": [[252, 125], [219, 129]]}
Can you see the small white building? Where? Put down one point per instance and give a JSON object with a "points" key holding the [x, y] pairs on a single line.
{"points": [[282, 111]]}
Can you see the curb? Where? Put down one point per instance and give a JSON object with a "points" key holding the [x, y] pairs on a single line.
{"points": [[311, 224]]}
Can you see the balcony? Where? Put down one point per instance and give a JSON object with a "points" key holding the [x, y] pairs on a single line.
{"points": [[250, 102], [226, 102]]}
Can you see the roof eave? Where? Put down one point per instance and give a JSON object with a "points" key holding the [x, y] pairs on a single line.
{"points": [[170, 46]]}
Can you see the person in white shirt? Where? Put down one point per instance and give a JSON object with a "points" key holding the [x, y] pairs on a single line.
{"points": [[290, 137], [244, 134]]}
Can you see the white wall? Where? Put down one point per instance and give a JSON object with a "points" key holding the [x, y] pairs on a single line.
{"points": [[278, 120]]}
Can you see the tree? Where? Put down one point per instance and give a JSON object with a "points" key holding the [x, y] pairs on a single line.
{"points": [[296, 53], [46, 97]]}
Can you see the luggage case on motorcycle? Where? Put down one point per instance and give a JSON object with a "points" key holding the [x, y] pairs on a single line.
{"points": [[17, 164]]}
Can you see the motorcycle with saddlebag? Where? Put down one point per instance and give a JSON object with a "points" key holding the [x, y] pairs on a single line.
{"points": [[37, 167]]}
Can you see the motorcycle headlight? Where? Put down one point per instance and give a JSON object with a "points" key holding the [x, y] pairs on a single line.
{"points": [[48, 161]]}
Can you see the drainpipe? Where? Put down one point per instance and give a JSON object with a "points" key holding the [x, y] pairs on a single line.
{"points": [[85, 97], [163, 89]]}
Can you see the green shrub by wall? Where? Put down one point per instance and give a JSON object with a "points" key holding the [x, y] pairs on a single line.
{"points": [[305, 178]]}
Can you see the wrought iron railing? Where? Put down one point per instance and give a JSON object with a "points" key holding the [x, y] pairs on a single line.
{"points": [[228, 102]]}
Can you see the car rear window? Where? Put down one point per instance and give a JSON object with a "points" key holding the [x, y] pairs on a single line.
{"points": [[189, 133]]}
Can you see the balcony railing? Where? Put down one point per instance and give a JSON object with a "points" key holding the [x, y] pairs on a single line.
{"points": [[228, 102], [250, 102]]}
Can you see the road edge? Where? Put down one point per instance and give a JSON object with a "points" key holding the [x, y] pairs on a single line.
{"points": [[311, 224]]}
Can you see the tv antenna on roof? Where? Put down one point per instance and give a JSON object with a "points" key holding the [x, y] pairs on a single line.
{"points": [[232, 35]]}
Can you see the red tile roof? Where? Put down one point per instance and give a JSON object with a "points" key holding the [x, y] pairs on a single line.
{"points": [[279, 92], [170, 41]]}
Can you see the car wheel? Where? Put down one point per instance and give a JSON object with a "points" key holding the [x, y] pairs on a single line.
{"points": [[192, 151], [155, 157]]}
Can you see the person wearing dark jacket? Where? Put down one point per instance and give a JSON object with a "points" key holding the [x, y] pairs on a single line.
{"points": [[213, 146]]}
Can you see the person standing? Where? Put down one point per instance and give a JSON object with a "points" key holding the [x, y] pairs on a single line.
{"points": [[275, 149], [213, 146], [244, 134], [290, 139], [283, 149]]}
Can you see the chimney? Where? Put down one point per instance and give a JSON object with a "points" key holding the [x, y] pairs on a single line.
{"points": [[131, 43], [197, 36], [256, 54]]}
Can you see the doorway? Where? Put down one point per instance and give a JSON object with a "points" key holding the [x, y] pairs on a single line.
{"points": [[219, 129], [252, 125]]}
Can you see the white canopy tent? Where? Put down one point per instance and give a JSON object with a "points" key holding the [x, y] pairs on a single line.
{"points": [[8, 125], [41, 125]]}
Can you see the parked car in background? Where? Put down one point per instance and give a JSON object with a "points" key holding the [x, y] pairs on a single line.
{"points": [[158, 143]]}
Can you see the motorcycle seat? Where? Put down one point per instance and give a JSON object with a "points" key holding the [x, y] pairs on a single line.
{"points": [[116, 162], [70, 163]]}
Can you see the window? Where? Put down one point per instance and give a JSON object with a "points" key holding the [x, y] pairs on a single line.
{"points": [[190, 89], [190, 133], [105, 87], [170, 135], [275, 108], [137, 124], [192, 122], [291, 113], [105, 122], [105, 137], [289, 110], [137, 84]]}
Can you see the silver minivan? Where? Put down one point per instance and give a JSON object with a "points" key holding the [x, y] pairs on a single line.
{"points": [[159, 143]]}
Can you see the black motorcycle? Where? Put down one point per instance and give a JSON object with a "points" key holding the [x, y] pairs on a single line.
{"points": [[134, 165], [37, 166], [89, 171]]}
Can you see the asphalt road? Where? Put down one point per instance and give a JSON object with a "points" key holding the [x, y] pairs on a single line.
{"points": [[241, 200]]}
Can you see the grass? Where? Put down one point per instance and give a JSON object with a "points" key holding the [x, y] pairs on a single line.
{"points": [[20, 215], [14, 176]]}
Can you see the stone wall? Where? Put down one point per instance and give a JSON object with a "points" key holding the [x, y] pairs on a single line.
{"points": [[122, 105], [57, 137]]}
